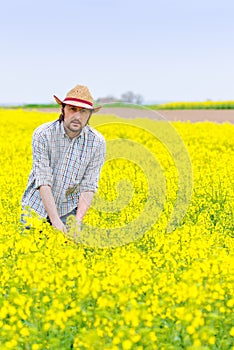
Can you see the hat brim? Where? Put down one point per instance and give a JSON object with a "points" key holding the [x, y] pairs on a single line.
{"points": [[77, 104]]}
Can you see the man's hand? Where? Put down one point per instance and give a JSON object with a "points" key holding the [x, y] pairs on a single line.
{"points": [[50, 207], [85, 200], [74, 226], [59, 225], [78, 227]]}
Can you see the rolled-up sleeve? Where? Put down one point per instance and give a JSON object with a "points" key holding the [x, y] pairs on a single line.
{"points": [[41, 162], [89, 182]]}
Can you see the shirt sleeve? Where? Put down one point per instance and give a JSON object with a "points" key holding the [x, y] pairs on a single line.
{"points": [[89, 182], [41, 162]]}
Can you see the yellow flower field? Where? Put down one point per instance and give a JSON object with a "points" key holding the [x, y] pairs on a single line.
{"points": [[131, 280], [196, 105]]}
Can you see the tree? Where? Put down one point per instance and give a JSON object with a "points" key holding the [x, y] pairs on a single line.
{"points": [[128, 97], [138, 99], [131, 97]]}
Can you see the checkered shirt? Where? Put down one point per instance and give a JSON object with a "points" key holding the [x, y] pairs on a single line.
{"points": [[69, 167]]}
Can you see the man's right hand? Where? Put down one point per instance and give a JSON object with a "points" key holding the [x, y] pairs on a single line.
{"points": [[59, 225], [50, 207]]}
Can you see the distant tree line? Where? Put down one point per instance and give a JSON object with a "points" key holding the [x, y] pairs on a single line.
{"points": [[127, 97]]}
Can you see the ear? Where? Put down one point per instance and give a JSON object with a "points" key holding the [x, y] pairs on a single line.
{"points": [[91, 112]]}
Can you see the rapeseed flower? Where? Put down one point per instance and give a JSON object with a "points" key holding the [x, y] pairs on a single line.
{"points": [[155, 289]]}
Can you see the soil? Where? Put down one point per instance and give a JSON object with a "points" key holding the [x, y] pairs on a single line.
{"points": [[195, 115]]}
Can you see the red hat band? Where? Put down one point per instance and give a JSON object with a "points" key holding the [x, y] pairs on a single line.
{"points": [[78, 100]]}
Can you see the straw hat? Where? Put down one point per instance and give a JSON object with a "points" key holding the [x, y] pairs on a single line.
{"points": [[79, 96]]}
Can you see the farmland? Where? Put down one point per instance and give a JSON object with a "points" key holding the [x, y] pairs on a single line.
{"points": [[141, 275]]}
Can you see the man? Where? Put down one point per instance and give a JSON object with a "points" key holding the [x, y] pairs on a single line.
{"points": [[67, 159]]}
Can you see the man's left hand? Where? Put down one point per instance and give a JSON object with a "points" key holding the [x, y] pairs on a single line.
{"points": [[77, 228]]}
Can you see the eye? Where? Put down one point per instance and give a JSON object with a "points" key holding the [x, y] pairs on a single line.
{"points": [[71, 108], [84, 111]]}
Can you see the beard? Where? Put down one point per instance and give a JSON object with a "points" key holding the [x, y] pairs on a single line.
{"points": [[73, 127]]}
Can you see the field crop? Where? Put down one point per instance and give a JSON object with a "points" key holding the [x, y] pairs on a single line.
{"points": [[130, 281], [195, 105]]}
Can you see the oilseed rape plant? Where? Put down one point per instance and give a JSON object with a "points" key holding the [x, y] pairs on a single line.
{"points": [[196, 105], [153, 267]]}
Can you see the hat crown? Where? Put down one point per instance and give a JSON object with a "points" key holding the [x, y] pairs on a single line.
{"points": [[80, 92], [79, 96]]}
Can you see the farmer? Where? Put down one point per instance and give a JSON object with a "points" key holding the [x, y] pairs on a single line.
{"points": [[68, 156]]}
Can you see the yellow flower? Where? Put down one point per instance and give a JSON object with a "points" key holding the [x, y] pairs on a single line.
{"points": [[36, 347], [190, 329], [116, 340], [11, 344], [100, 288], [230, 303], [127, 345], [232, 332], [46, 326], [24, 331], [197, 342], [211, 340]]}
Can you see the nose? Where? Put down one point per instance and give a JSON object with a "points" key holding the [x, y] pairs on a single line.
{"points": [[77, 114]]}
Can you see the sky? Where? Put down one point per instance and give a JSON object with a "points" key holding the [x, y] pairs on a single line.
{"points": [[164, 50]]}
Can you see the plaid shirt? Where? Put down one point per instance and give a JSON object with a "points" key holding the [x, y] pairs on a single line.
{"points": [[69, 167]]}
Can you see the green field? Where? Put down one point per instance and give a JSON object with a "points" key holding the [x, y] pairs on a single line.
{"points": [[169, 105]]}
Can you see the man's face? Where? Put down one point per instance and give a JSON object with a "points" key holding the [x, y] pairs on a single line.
{"points": [[75, 118]]}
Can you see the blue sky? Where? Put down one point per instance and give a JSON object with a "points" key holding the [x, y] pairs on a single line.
{"points": [[165, 50]]}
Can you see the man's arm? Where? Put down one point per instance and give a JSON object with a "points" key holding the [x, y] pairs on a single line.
{"points": [[44, 179], [89, 182], [84, 203], [50, 207]]}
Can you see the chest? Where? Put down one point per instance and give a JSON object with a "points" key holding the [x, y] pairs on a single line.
{"points": [[65, 153]]}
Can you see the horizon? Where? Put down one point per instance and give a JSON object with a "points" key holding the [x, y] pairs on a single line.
{"points": [[12, 104]]}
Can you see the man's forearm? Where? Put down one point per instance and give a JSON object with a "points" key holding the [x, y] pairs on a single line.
{"points": [[48, 202], [85, 201]]}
